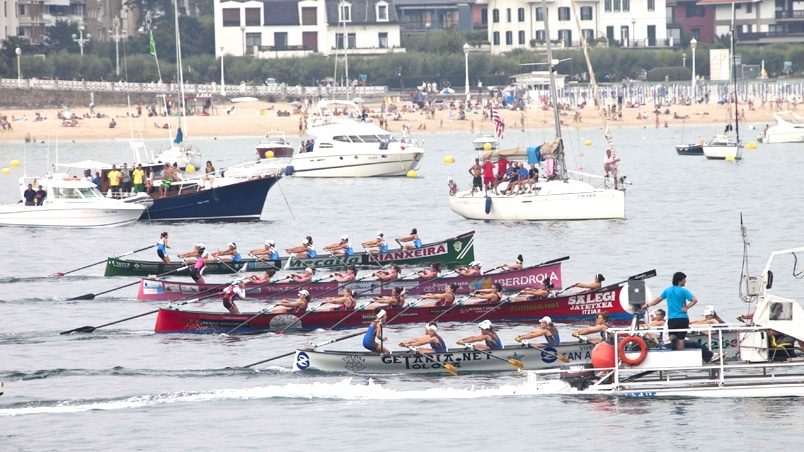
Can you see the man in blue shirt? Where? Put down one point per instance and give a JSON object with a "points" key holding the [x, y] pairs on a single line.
{"points": [[677, 296]]}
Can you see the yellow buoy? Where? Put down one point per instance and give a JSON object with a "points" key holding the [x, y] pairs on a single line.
{"points": [[190, 169], [587, 143], [751, 145], [449, 159], [269, 154], [412, 173], [487, 146], [5, 170], [15, 163], [729, 158]]}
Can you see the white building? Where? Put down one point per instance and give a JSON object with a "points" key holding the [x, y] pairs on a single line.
{"points": [[8, 19], [760, 21], [283, 28], [517, 24]]}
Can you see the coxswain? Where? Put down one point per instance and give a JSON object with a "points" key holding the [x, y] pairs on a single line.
{"points": [[161, 248], [197, 270], [395, 300], [410, 241], [431, 342], [191, 256], [488, 338], [596, 284], [268, 252], [378, 245], [296, 306], [472, 270], [601, 326], [344, 302], [238, 289], [546, 329], [439, 299], [535, 293], [342, 248], [230, 254], [516, 265], [491, 295], [349, 276], [430, 272], [373, 339], [388, 275]]}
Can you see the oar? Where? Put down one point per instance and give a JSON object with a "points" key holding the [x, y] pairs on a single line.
{"points": [[512, 361], [91, 296], [60, 274], [89, 329], [448, 367], [561, 358], [371, 256], [331, 341]]}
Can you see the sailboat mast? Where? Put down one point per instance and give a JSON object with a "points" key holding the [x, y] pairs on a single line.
{"points": [[734, 75], [346, 55], [562, 170], [181, 71]]}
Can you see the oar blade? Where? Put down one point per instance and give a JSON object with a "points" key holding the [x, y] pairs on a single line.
{"points": [[562, 358], [86, 296], [83, 329], [516, 363], [451, 369], [57, 275]]}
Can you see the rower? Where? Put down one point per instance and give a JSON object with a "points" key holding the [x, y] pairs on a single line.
{"points": [[264, 278], [349, 276], [596, 284], [305, 277], [388, 275], [472, 270], [516, 265], [191, 256], [601, 326], [297, 306], [161, 248], [395, 300], [344, 302], [268, 252], [489, 339], [197, 270], [533, 293], [411, 241], [237, 289], [342, 248], [303, 251], [440, 299], [430, 272], [378, 245], [491, 295], [546, 329], [434, 342], [230, 254], [374, 333]]}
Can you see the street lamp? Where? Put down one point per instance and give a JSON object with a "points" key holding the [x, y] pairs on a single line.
{"points": [[243, 31], [80, 39], [223, 83], [633, 31], [18, 51], [116, 26], [683, 59], [466, 48], [693, 45]]}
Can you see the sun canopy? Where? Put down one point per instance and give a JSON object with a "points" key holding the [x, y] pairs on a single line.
{"points": [[88, 164]]}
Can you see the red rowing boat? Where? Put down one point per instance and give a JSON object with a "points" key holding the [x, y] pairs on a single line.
{"points": [[584, 306], [514, 280]]}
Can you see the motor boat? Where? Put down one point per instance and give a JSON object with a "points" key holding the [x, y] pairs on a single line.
{"points": [[71, 202], [276, 143], [346, 144], [789, 128], [485, 142]]}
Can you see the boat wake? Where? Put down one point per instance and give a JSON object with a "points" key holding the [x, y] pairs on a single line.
{"points": [[342, 390], [120, 371], [23, 279]]}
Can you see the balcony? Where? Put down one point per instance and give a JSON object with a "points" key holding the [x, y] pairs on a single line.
{"points": [[771, 37], [790, 14], [422, 27]]}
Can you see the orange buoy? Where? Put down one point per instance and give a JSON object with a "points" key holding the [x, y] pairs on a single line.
{"points": [[603, 356], [639, 342]]}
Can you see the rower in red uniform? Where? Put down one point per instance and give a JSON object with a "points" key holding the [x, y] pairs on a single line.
{"points": [[297, 306], [439, 299], [237, 289]]}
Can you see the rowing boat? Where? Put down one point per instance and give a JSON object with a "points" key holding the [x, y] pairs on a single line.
{"points": [[451, 252], [514, 280], [582, 306], [463, 359]]}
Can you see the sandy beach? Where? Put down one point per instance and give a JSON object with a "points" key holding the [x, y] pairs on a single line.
{"points": [[256, 118]]}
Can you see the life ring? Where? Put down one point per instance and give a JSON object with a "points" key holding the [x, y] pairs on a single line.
{"points": [[643, 350]]}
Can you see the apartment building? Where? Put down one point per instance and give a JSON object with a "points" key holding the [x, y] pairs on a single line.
{"points": [[760, 21]]}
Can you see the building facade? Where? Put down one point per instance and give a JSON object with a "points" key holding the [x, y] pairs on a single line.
{"points": [[417, 16], [286, 28], [689, 18], [760, 21]]}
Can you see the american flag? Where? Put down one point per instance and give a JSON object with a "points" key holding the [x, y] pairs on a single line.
{"points": [[499, 125]]}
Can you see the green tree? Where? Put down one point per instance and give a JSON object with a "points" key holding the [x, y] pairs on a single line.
{"points": [[60, 37]]}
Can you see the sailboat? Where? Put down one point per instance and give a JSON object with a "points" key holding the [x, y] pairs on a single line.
{"points": [[559, 197], [727, 146]]}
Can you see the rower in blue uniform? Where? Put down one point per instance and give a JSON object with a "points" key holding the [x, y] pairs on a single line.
{"points": [[488, 338], [431, 339], [410, 241], [546, 329], [378, 245]]}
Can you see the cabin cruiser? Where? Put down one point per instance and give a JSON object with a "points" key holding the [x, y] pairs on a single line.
{"points": [[789, 128]]}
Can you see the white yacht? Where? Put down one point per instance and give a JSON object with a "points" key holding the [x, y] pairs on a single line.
{"points": [[71, 202], [789, 128], [347, 145], [725, 146]]}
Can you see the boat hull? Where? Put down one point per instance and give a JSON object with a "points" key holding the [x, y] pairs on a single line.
{"points": [[580, 202], [242, 200], [583, 307], [103, 215], [379, 164], [689, 149], [451, 252], [464, 360], [723, 152], [279, 151], [160, 290]]}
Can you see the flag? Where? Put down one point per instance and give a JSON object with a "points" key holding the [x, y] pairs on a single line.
{"points": [[499, 125], [152, 44]]}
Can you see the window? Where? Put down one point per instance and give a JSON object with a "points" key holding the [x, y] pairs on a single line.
{"points": [[231, 17], [588, 34], [509, 38], [253, 17], [351, 40], [539, 15], [21, 9], [565, 36], [309, 16], [508, 14], [626, 5], [383, 40], [520, 14], [495, 15], [521, 38], [540, 35], [694, 11], [617, 5], [484, 16], [607, 6], [586, 13], [563, 13], [344, 12], [749, 7], [253, 40], [382, 12], [495, 40], [651, 5], [280, 39], [696, 33]]}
